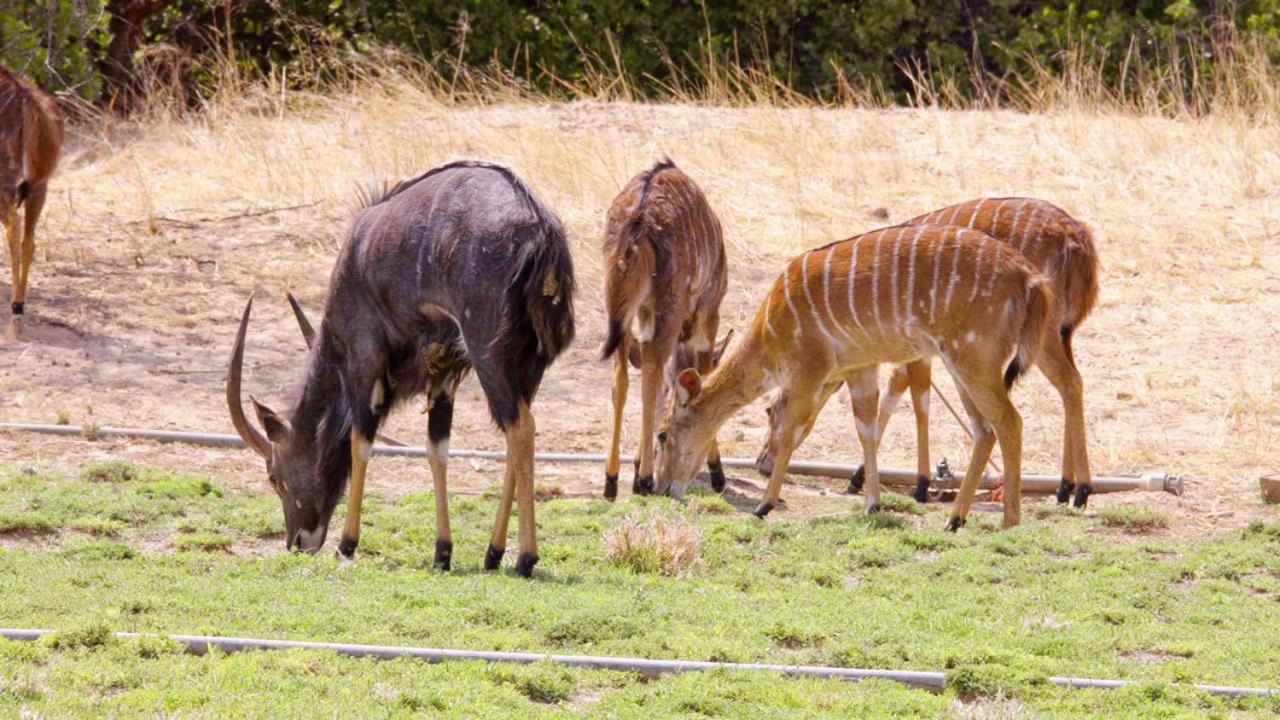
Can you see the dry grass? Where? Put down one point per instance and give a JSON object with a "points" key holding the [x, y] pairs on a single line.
{"points": [[157, 231], [659, 544]]}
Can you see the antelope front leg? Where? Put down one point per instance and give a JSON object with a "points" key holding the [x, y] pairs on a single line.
{"points": [[864, 396], [897, 386], [706, 363], [620, 382], [520, 441], [34, 204], [439, 424], [653, 361], [361, 450], [791, 414], [984, 439]]}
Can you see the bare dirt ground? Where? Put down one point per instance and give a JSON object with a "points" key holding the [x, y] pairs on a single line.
{"points": [[156, 234]]}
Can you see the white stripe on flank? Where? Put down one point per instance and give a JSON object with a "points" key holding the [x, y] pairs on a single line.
{"points": [[976, 210], [813, 307], [893, 282], [875, 283], [853, 269], [911, 276], [1013, 229], [786, 289], [955, 271], [992, 274], [826, 295], [933, 289], [1029, 225], [955, 213], [977, 270], [994, 228], [768, 326]]}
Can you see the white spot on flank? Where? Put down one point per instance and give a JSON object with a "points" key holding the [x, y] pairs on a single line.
{"points": [[297, 504], [378, 396], [972, 336]]}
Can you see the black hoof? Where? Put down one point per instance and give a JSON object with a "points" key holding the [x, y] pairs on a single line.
{"points": [[955, 524], [873, 508], [717, 477], [444, 555], [347, 548], [18, 308], [922, 489], [856, 482], [611, 487], [1064, 491], [1082, 496], [493, 558], [642, 485], [525, 563], [764, 509]]}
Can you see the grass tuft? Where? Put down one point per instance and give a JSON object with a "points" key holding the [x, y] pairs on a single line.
{"points": [[115, 471], [662, 544], [89, 635], [204, 541], [1134, 520]]}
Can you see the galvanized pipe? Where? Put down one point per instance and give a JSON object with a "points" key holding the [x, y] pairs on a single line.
{"points": [[935, 681], [1031, 484]]}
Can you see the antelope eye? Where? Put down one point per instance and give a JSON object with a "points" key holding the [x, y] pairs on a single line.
{"points": [[662, 436]]}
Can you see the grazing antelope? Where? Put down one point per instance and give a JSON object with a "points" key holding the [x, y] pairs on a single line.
{"points": [[30, 139], [459, 268], [665, 275], [889, 296], [1063, 250]]}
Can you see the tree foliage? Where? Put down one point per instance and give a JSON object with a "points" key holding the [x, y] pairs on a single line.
{"points": [[810, 46]]}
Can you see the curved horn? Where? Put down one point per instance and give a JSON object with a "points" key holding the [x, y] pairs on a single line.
{"points": [[308, 333], [248, 432]]}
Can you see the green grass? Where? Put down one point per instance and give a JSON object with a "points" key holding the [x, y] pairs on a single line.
{"points": [[999, 611]]}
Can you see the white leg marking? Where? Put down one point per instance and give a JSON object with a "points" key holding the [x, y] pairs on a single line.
{"points": [[377, 396]]}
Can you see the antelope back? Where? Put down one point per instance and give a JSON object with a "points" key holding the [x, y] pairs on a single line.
{"points": [[1052, 241], [662, 243], [899, 289], [31, 130]]}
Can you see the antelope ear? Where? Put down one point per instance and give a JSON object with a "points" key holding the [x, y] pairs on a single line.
{"points": [[720, 348], [688, 386], [277, 427]]}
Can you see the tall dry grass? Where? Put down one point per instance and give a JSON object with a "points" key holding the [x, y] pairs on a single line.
{"points": [[1178, 361]]}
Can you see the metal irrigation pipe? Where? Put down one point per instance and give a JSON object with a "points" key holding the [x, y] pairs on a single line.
{"points": [[936, 681], [1031, 484]]}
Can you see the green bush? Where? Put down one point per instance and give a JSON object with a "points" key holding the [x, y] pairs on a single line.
{"points": [[815, 47]]}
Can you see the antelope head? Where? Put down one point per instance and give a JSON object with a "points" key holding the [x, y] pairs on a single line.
{"points": [[684, 438], [291, 458]]}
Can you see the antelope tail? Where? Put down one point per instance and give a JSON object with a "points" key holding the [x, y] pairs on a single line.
{"points": [[1037, 317]]}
